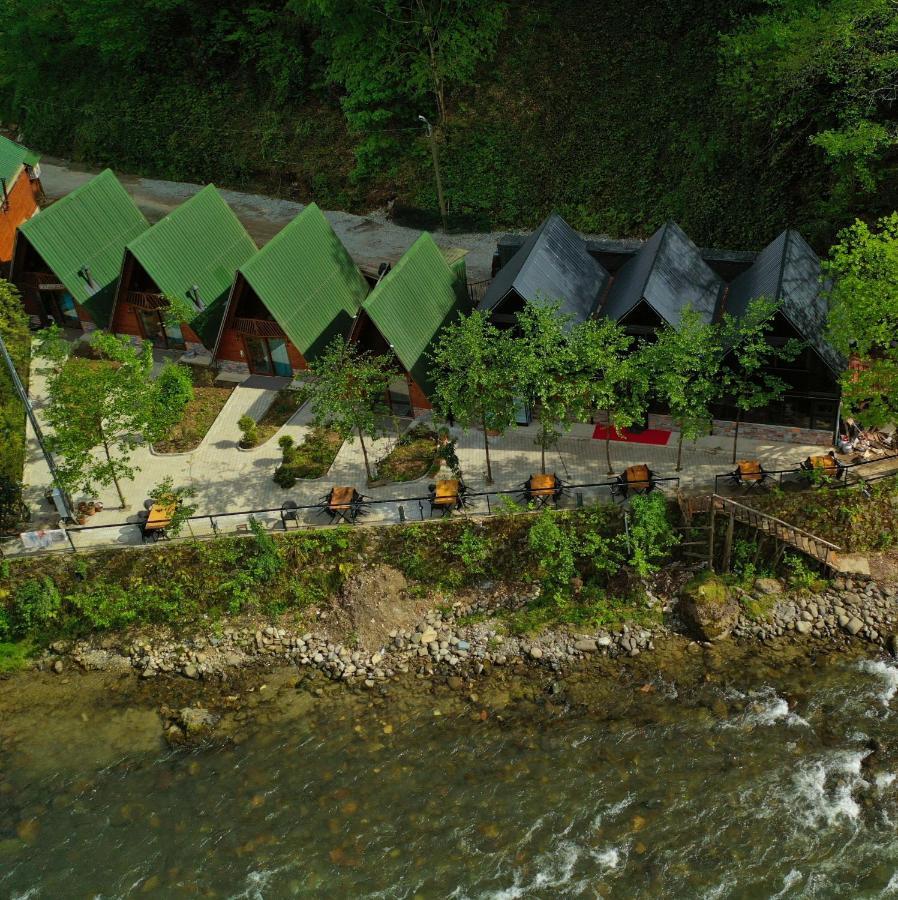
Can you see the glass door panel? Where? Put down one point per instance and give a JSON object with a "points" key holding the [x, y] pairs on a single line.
{"points": [[280, 358], [174, 337], [68, 311], [151, 325], [257, 355]]}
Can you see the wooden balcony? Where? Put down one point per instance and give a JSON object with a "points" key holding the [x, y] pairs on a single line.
{"points": [[146, 300], [264, 328]]}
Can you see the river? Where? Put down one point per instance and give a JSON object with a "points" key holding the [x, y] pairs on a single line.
{"points": [[765, 784]]}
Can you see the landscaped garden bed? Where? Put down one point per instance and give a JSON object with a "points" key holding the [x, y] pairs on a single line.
{"points": [[199, 414], [310, 459], [415, 454], [285, 405]]}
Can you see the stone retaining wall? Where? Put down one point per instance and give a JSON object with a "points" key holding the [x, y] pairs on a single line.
{"points": [[752, 431]]}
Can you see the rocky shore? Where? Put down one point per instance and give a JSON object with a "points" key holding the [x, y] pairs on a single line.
{"points": [[469, 637]]}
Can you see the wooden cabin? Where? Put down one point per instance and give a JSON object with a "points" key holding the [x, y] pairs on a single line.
{"points": [[189, 257], [787, 270], [552, 266], [666, 275], [290, 300], [20, 192], [404, 314], [67, 258]]}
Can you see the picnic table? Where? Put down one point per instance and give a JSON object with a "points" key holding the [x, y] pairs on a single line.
{"points": [[749, 473], [343, 503], [447, 494], [542, 488], [826, 464], [159, 518], [637, 479]]}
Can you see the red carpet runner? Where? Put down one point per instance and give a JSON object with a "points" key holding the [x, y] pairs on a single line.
{"points": [[656, 436]]}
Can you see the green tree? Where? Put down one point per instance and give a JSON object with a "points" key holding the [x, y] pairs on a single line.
{"points": [[649, 537], [398, 58], [475, 381], [615, 376], [685, 365], [345, 387], [100, 410], [166, 494], [862, 269], [547, 373], [824, 71], [16, 337], [746, 380]]}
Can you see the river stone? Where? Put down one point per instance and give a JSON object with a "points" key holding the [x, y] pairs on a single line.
{"points": [[708, 607], [768, 585], [854, 625], [195, 720], [586, 645], [536, 653], [892, 644], [803, 627]]}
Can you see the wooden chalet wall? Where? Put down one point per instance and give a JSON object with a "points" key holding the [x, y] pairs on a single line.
{"points": [[23, 203]]}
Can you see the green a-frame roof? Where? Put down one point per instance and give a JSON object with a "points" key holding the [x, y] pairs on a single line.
{"points": [[197, 247], [82, 238], [12, 157], [307, 280], [412, 303]]}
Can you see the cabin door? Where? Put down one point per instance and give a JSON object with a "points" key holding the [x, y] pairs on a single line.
{"points": [[257, 356], [60, 307], [280, 358]]}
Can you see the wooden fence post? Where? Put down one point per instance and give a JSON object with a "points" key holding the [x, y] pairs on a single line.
{"points": [[728, 546]]}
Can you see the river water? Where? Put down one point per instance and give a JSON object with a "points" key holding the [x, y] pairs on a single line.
{"points": [[768, 788]]}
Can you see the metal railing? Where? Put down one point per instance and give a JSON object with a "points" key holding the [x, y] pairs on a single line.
{"points": [[375, 511], [798, 473]]}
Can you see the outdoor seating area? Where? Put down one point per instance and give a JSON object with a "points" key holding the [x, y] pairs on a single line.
{"points": [[749, 474], [446, 495], [155, 519], [638, 479], [543, 489], [344, 504], [825, 466]]}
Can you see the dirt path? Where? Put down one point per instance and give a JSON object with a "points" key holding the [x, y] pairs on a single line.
{"points": [[369, 239]]}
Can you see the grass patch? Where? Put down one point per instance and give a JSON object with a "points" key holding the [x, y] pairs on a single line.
{"points": [[199, 414], [282, 409], [758, 609], [310, 459], [413, 456], [14, 656]]}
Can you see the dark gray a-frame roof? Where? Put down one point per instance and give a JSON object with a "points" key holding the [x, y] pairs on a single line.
{"points": [[788, 270], [668, 273], [552, 266]]}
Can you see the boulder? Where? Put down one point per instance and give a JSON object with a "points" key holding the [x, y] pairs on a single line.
{"points": [[196, 721], [708, 607], [768, 586]]}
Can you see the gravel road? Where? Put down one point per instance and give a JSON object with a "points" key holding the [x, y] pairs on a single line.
{"points": [[370, 239]]}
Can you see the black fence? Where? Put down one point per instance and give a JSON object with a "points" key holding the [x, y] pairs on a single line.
{"points": [[371, 511], [851, 475]]}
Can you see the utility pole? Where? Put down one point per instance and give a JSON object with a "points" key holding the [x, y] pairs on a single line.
{"points": [[29, 410], [436, 171]]}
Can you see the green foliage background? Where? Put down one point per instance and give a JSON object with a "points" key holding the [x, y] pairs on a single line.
{"points": [[618, 115]]}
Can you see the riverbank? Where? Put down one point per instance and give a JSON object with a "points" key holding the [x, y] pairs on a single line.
{"points": [[191, 686]]}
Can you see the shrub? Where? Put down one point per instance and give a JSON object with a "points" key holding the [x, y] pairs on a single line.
{"points": [[249, 431], [174, 387], [554, 547], [35, 603], [473, 550], [650, 535]]}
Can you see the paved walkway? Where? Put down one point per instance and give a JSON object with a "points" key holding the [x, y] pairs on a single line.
{"points": [[228, 480]]}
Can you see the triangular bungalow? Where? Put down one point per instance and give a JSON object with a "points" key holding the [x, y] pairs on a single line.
{"points": [[67, 258], [20, 191], [407, 309], [666, 275], [552, 266], [290, 300], [788, 270], [191, 255]]}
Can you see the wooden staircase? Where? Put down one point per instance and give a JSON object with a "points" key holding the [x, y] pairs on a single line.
{"points": [[825, 552]]}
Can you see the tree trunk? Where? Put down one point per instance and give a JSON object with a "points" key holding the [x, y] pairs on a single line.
{"points": [[542, 452], [118, 487], [364, 454], [608, 442], [736, 433], [486, 447], [680, 453]]}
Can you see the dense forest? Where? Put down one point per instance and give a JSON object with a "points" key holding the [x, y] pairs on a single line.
{"points": [[734, 118]]}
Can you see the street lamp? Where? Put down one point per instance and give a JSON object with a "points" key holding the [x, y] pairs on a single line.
{"points": [[436, 171]]}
